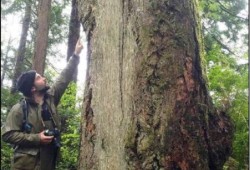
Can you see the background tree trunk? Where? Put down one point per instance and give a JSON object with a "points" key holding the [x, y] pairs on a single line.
{"points": [[22, 46], [42, 36], [74, 32], [4, 64], [146, 104], [3, 73]]}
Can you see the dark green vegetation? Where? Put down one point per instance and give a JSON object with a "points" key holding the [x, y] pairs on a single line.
{"points": [[227, 77]]}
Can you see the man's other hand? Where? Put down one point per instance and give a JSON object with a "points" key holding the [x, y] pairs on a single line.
{"points": [[78, 47]]}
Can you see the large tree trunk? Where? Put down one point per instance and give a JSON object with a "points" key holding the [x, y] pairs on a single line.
{"points": [[146, 104], [42, 36], [22, 46], [74, 31]]}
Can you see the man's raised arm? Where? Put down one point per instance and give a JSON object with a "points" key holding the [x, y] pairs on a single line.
{"points": [[66, 75]]}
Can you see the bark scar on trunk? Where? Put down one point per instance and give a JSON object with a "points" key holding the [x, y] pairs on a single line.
{"points": [[181, 89], [90, 133], [188, 74], [185, 83]]}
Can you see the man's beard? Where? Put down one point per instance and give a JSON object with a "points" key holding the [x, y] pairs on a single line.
{"points": [[43, 89]]}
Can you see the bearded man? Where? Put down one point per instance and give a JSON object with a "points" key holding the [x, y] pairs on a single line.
{"points": [[33, 125]]}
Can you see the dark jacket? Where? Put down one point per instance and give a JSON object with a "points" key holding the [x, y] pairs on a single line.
{"points": [[28, 153]]}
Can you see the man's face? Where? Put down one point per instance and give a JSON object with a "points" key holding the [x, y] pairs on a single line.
{"points": [[40, 82]]}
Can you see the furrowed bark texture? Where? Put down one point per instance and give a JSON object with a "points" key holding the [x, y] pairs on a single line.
{"points": [[146, 103], [42, 36]]}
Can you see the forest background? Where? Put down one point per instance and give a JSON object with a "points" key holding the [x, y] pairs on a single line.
{"points": [[225, 33]]}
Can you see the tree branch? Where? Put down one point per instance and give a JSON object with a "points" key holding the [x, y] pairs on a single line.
{"points": [[230, 13], [220, 42]]}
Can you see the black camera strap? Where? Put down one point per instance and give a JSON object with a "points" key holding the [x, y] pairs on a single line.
{"points": [[47, 110]]}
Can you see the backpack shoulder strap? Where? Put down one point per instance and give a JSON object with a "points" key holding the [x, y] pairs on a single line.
{"points": [[26, 126], [25, 109]]}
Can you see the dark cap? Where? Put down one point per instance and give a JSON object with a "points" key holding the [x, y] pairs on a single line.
{"points": [[25, 82]]}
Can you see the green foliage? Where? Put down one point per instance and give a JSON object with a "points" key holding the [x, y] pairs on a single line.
{"points": [[239, 113], [6, 155], [222, 28], [215, 12], [70, 128], [58, 23], [69, 151], [228, 84], [7, 101]]}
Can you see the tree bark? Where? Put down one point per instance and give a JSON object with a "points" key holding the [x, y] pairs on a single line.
{"points": [[74, 32], [22, 46], [42, 36], [146, 103]]}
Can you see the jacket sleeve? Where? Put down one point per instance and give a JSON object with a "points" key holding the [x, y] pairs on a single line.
{"points": [[11, 131], [64, 79], [21, 139]]}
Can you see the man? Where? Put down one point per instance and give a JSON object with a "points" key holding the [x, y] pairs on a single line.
{"points": [[35, 148]]}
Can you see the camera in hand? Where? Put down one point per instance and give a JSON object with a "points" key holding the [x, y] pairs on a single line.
{"points": [[49, 132], [56, 134]]}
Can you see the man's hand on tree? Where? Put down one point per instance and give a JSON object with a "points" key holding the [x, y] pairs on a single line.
{"points": [[78, 47]]}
